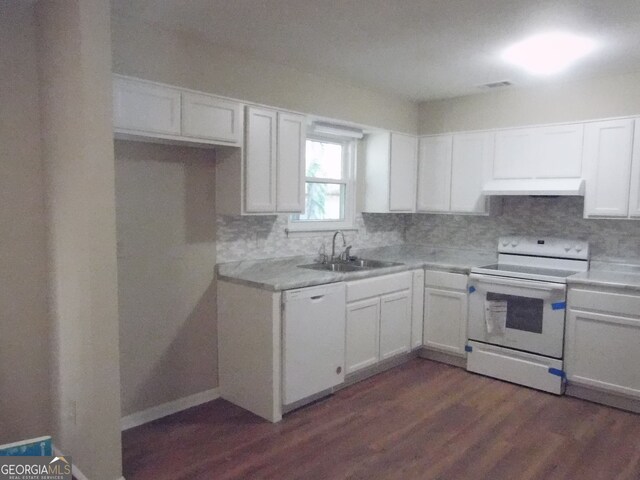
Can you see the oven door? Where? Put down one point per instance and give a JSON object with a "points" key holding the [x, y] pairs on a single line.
{"points": [[527, 315]]}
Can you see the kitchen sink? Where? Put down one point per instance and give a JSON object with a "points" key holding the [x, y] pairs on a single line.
{"points": [[355, 265], [368, 264], [332, 267]]}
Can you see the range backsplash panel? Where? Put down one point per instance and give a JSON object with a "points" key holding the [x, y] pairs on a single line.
{"points": [[611, 240]]}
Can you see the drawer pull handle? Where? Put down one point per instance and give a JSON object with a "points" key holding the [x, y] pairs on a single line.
{"points": [[317, 297]]}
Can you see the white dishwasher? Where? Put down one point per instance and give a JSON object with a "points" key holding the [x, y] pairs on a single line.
{"points": [[313, 336]]}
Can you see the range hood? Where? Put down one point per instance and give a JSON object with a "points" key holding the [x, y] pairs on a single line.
{"points": [[536, 186]]}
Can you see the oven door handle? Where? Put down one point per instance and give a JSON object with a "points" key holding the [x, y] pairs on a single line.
{"points": [[516, 283]]}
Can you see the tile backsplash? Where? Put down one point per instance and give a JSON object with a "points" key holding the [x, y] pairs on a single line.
{"points": [[255, 237], [610, 240]]}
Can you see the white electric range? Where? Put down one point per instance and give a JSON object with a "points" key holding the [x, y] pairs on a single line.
{"points": [[517, 310]]}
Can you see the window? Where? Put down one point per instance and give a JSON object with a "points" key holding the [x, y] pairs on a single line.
{"points": [[329, 186]]}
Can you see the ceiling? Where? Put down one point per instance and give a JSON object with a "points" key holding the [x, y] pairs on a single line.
{"points": [[417, 49]]}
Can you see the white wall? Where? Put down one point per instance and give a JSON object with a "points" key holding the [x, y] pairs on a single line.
{"points": [[558, 102], [166, 229], [155, 54], [24, 325], [76, 90]]}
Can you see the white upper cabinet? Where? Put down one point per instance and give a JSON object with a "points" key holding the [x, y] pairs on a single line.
{"points": [[268, 176], [145, 107], [390, 173], [634, 201], [514, 154], [451, 172], [470, 166], [260, 160], [608, 157], [402, 180], [542, 152], [434, 174], [290, 163], [558, 151], [149, 111], [204, 116]]}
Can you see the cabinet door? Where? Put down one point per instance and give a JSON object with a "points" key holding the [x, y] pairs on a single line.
{"points": [[395, 324], [602, 351], [205, 116], [514, 154], [260, 161], [417, 308], [634, 201], [434, 174], [558, 151], [445, 320], [403, 171], [608, 150], [471, 163], [363, 326], [291, 163], [145, 107]]}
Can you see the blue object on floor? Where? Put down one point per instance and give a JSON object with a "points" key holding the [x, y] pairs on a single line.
{"points": [[35, 447]]}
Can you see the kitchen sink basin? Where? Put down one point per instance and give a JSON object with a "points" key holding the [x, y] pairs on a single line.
{"points": [[368, 264], [333, 267], [350, 266]]}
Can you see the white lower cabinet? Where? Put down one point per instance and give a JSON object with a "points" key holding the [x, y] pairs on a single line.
{"points": [[417, 309], [378, 319], [362, 343], [395, 324], [445, 312], [602, 344]]}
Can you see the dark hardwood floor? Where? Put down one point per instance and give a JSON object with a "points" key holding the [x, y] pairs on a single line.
{"points": [[422, 420]]}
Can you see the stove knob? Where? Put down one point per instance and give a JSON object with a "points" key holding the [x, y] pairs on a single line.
{"points": [[567, 247], [515, 242], [505, 242], [578, 248]]}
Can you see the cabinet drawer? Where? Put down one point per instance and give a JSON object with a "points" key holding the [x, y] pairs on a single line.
{"points": [[616, 303], [452, 281], [373, 287]]}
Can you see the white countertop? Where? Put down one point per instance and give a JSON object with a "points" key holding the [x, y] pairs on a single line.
{"points": [[609, 275], [284, 273]]}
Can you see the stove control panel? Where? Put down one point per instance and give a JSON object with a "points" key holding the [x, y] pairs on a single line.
{"points": [[544, 247]]}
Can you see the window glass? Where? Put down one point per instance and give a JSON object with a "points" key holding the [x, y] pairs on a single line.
{"points": [[324, 160], [323, 201], [329, 190]]}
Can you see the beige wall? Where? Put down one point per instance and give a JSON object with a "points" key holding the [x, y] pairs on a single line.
{"points": [[170, 57], [166, 228], [75, 73], [559, 102], [24, 332]]}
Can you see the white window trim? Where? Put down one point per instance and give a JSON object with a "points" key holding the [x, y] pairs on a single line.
{"points": [[349, 165]]}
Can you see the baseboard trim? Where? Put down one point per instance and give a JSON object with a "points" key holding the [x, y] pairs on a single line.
{"points": [[443, 357], [169, 408], [605, 398], [380, 367]]}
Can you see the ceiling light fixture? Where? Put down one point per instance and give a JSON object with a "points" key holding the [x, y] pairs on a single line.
{"points": [[548, 53]]}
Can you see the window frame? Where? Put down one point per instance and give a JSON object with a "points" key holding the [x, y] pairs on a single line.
{"points": [[349, 155]]}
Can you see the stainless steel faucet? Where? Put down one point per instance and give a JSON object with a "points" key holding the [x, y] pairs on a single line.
{"points": [[333, 244]]}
